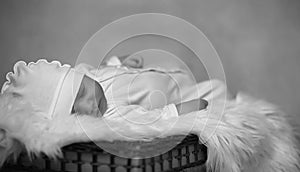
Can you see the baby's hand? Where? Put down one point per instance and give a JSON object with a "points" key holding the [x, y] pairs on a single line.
{"points": [[134, 62], [191, 106]]}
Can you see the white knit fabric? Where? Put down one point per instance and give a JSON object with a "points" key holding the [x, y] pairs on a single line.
{"points": [[50, 87]]}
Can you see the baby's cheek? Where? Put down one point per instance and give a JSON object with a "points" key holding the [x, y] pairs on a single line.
{"points": [[86, 107], [82, 106]]}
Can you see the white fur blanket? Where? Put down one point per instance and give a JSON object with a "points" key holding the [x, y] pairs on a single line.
{"points": [[251, 135]]}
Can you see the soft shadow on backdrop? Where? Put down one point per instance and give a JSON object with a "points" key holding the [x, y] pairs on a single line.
{"points": [[258, 41]]}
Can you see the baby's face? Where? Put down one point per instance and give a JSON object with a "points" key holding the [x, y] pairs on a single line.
{"points": [[90, 99]]}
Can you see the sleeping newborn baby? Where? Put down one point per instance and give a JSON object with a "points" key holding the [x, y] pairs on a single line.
{"points": [[45, 106], [119, 88], [129, 85], [125, 84]]}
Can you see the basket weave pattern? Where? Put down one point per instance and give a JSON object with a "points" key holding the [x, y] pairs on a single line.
{"points": [[88, 157]]}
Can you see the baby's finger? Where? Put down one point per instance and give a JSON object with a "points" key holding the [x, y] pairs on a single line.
{"points": [[130, 62]]}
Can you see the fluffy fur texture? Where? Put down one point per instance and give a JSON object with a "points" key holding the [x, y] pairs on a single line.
{"points": [[252, 135]]}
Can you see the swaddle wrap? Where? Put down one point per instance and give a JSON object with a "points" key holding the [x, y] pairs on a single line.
{"points": [[50, 87]]}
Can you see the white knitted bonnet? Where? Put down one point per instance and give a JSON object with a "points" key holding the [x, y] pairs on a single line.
{"points": [[49, 86]]}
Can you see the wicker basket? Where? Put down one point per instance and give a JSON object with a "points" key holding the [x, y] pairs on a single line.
{"points": [[88, 157]]}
